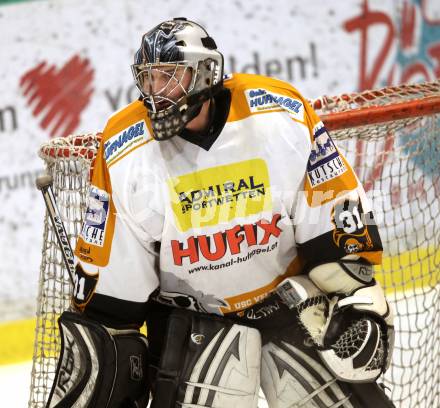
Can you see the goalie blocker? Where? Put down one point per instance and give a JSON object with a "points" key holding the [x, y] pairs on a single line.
{"points": [[99, 366]]}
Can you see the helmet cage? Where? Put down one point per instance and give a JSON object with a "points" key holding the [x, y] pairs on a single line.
{"points": [[172, 75], [204, 74]]}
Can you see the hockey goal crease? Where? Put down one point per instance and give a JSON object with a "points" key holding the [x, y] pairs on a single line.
{"points": [[391, 136]]}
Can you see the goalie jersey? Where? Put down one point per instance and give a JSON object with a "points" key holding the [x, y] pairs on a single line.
{"points": [[218, 224]]}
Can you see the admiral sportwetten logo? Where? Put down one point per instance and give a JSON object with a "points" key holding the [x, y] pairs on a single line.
{"points": [[219, 194]]}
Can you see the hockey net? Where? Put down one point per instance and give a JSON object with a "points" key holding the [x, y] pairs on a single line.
{"points": [[391, 136]]}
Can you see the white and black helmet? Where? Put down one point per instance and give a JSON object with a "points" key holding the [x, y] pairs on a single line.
{"points": [[185, 58]]}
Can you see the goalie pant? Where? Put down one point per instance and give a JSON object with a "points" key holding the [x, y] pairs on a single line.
{"points": [[209, 361]]}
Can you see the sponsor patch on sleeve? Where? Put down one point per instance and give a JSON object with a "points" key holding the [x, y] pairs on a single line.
{"points": [[351, 231], [261, 100], [124, 142], [324, 163], [95, 219]]}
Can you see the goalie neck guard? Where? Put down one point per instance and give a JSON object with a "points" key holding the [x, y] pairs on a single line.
{"points": [[176, 69]]}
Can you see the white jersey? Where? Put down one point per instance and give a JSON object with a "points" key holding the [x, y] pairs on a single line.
{"points": [[269, 197]]}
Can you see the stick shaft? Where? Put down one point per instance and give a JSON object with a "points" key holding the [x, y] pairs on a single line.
{"points": [[60, 230]]}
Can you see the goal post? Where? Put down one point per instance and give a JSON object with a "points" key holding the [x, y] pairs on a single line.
{"points": [[391, 136]]}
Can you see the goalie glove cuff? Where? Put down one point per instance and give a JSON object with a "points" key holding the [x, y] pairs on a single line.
{"points": [[341, 276], [369, 299]]}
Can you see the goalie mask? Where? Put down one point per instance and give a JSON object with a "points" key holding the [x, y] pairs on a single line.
{"points": [[177, 68]]}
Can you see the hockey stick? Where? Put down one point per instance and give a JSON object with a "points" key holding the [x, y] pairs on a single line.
{"points": [[44, 184]]}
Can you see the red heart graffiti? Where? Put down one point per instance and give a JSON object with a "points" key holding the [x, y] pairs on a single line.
{"points": [[59, 95]]}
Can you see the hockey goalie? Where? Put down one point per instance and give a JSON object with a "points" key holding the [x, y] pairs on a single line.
{"points": [[223, 216]]}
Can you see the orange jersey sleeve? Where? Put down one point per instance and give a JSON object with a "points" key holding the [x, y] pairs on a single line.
{"points": [[333, 216], [116, 260]]}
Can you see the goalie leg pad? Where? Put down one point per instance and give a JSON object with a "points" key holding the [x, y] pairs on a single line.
{"points": [[99, 367], [294, 375], [208, 361]]}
